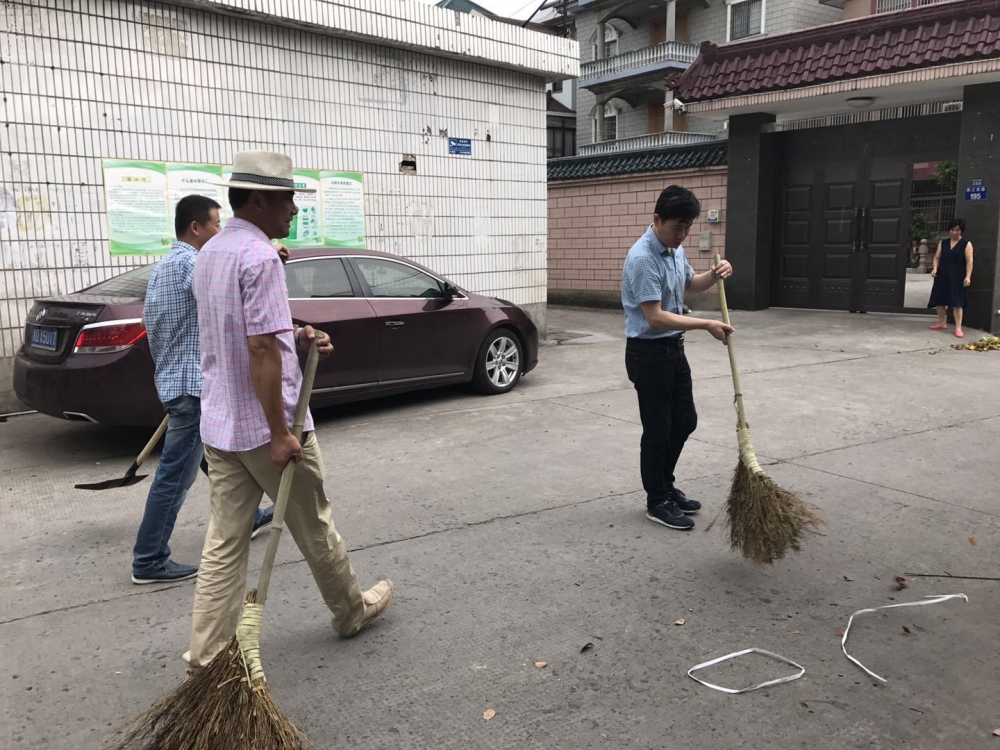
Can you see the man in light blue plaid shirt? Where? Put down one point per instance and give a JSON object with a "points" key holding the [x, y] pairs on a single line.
{"points": [[171, 319], [654, 278]]}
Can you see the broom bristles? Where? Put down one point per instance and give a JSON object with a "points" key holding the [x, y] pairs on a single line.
{"points": [[216, 708], [765, 520]]}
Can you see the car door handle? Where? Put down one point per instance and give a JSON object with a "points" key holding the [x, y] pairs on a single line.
{"points": [[394, 324]]}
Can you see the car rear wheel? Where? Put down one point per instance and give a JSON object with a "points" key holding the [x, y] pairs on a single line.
{"points": [[499, 364]]}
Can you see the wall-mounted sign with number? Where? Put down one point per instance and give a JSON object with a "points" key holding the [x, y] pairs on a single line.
{"points": [[976, 191]]}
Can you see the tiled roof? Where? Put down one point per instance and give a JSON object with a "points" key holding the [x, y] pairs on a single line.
{"points": [[465, 6], [557, 107], [531, 25], [938, 34], [672, 159]]}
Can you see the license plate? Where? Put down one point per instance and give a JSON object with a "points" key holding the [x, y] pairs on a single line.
{"points": [[45, 338]]}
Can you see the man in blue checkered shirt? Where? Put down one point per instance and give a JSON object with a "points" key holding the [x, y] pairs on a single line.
{"points": [[654, 278], [171, 319]]}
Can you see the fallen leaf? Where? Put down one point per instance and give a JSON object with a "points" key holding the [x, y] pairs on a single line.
{"points": [[489, 714], [996, 732], [906, 630], [804, 703], [972, 541], [848, 579], [840, 630], [541, 664], [796, 632], [901, 583], [679, 622], [586, 647]]}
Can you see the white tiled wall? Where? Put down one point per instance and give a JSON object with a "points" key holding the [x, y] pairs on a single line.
{"points": [[84, 80]]}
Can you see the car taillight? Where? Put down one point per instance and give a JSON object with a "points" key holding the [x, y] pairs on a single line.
{"points": [[104, 338]]}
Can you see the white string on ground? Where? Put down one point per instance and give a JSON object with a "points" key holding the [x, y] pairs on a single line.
{"points": [[936, 599], [744, 652]]}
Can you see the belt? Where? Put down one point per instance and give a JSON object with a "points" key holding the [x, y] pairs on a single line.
{"points": [[664, 342]]}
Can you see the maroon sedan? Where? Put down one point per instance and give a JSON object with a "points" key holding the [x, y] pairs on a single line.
{"points": [[395, 326]]}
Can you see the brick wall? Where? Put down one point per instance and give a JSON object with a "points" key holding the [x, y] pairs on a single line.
{"points": [[593, 223]]}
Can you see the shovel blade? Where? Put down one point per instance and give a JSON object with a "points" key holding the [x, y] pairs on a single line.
{"points": [[110, 484]]}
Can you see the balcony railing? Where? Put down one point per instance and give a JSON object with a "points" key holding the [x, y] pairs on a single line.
{"points": [[679, 52], [890, 6], [644, 142]]}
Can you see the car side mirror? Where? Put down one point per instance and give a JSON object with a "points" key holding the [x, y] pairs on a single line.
{"points": [[449, 290]]}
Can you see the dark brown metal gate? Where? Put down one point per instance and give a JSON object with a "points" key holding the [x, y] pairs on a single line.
{"points": [[842, 216]]}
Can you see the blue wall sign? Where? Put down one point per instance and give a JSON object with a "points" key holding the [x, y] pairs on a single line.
{"points": [[976, 191], [460, 146]]}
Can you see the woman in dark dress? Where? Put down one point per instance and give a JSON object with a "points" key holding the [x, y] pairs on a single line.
{"points": [[952, 274]]}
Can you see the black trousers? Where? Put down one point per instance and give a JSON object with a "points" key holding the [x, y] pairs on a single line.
{"points": [[662, 378]]}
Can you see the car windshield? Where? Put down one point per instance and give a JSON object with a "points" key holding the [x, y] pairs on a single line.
{"points": [[131, 284]]}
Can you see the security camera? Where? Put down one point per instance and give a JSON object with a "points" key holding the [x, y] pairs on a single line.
{"points": [[678, 106]]}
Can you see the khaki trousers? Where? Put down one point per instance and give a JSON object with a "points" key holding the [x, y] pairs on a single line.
{"points": [[237, 482]]}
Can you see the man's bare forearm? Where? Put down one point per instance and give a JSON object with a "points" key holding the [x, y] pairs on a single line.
{"points": [[702, 282], [265, 371], [662, 320]]}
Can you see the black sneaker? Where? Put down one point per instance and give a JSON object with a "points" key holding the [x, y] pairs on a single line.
{"points": [[171, 572], [688, 507], [262, 522], [668, 514]]}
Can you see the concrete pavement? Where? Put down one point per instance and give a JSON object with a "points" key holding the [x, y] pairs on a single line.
{"points": [[513, 528]]}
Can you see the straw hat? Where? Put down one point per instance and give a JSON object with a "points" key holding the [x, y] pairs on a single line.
{"points": [[262, 170]]}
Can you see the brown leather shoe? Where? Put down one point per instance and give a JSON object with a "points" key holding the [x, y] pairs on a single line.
{"points": [[377, 599]]}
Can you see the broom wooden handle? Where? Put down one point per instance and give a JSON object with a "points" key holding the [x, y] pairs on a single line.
{"points": [[724, 309], [144, 454], [287, 474]]}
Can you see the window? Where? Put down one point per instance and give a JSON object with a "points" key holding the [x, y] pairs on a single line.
{"points": [[608, 124], [611, 127], [322, 278], [746, 19], [610, 42], [557, 87], [390, 279], [562, 141], [131, 285]]}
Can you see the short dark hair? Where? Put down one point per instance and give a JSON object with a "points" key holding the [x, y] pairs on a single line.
{"points": [[192, 208], [960, 223], [238, 198], [677, 203]]}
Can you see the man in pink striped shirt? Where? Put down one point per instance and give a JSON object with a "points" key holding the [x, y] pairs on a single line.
{"points": [[251, 384]]}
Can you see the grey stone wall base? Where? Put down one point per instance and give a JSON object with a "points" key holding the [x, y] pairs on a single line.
{"points": [[537, 311]]}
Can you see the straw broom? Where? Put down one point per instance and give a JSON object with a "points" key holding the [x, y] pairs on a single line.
{"points": [[226, 704], [764, 520]]}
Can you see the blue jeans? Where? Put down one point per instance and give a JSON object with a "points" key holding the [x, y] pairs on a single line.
{"points": [[180, 459]]}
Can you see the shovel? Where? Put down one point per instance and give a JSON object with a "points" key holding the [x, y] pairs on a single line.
{"points": [[130, 478]]}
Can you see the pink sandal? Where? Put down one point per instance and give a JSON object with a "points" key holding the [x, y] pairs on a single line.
{"points": [[938, 327], [959, 335]]}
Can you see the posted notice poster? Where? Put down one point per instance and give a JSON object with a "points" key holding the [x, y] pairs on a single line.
{"points": [[307, 226], [136, 198], [342, 197], [141, 198], [193, 179]]}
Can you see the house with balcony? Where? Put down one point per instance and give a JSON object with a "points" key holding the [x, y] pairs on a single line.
{"points": [[629, 48]]}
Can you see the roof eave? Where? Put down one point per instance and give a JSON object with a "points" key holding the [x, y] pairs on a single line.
{"points": [[421, 28], [766, 101]]}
